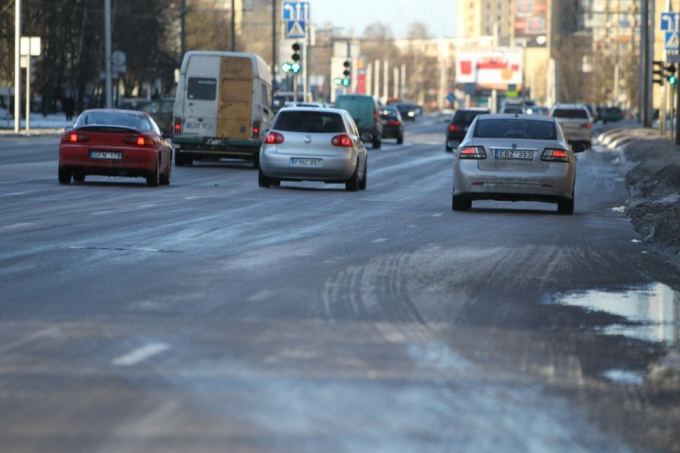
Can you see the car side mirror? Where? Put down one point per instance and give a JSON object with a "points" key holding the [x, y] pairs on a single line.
{"points": [[579, 147], [366, 137]]}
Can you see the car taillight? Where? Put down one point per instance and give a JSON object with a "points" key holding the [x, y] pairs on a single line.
{"points": [[274, 138], [588, 126], [342, 141], [394, 123], [555, 155], [376, 117], [472, 152], [138, 140], [177, 127], [74, 137], [256, 129], [453, 128]]}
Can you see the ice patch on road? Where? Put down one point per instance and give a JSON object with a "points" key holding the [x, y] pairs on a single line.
{"points": [[625, 377]]}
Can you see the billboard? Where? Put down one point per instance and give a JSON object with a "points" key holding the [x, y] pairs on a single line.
{"points": [[491, 69], [531, 23]]}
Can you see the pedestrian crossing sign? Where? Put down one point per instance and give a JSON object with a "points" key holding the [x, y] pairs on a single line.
{"points": [[672, 40]]}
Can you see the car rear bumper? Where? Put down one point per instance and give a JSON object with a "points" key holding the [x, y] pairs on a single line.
{"points": [[216, 148], [333, 169], [392, 132], [557, 182], [135, 161]]}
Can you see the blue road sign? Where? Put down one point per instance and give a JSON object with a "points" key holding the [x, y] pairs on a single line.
{"points": [[670, 21], [672, 40], [296, 16]]}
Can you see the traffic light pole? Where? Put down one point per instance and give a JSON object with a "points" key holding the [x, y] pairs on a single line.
{"points": [[17, 65], [676, 90]]}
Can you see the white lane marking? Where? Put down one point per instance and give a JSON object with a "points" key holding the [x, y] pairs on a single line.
{"points": [[439, 214], [12, 194], [261, 296], [636, 241], [140, 354], [379, 240], [15, 226], [49, 332], [620, 209]]}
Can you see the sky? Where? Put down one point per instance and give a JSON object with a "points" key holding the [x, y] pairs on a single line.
{"points": [[439, 15]]}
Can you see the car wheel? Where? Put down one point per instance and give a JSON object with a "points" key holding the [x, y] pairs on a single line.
{"points": [[165, 177], [565, 206], [377, 143], [64, 177], [354, 182], [460, 203], [400, 140], [79, 178], [364, 180], [263, 180], [256, 161], [153, 179]]}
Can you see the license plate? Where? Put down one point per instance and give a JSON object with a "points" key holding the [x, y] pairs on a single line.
{"points": [[514, 154], [106, 155], [305, 162]]}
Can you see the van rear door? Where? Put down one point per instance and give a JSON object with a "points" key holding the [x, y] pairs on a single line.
{"points": [[235, 113], [202, 76]]}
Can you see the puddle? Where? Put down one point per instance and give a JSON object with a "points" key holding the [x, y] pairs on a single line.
{"points": [[655, 309], [626, 377]]}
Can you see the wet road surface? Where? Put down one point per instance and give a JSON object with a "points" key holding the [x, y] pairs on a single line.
{"points": [[213, 315]]}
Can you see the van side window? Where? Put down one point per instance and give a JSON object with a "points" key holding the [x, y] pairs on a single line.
{"points": [[202, 89], [266, 102]]}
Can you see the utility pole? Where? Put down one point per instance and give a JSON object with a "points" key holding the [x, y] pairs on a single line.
{"points": [[183, 28], [275, 10], [107, 53], [17, 65], [233, 25]]}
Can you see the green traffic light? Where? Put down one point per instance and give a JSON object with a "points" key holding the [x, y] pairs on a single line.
{"points": [[346, 82], [673, 80]]}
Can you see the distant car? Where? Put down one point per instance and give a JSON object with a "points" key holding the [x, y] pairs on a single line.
{"points": [[458, 127], [537, 110], [513, 158], [408, 112], [318, 105], [611, 115], [393, 124], [576, 123], [514, 110], [366, 114], [161, 111], [112, 142], [312, 144]]}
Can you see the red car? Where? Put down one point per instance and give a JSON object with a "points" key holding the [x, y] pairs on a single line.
{"points": [[115, 143]]}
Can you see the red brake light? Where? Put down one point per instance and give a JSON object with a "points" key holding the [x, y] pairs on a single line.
{"points": [[394, 123], [453, 128], [274, 138], [256, 129], [177, 127], [138, 140], [588, 125], [74, 137], [343, 141], [376, 116], [472, 152], [555, 155], [141, 141]]}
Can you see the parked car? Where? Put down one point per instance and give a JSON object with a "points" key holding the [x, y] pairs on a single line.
{"points": [[366, 114], [612, 115], [576, 123], [512, 158], [459, 124], [393, 124], [112, 142], [313, 144], [222, 107]]}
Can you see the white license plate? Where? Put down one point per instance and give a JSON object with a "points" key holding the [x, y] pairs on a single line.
{"points": [[514, 154], [305, 162], [106, 155]]}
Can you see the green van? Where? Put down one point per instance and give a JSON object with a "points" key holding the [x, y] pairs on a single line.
{"points": [[366, 114]]}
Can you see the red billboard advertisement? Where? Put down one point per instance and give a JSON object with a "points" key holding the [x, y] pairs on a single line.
{"points": [[531, 23]]}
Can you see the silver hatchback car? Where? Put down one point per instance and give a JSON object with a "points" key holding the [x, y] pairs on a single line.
{"points": [[514, 158], [314, 144]]}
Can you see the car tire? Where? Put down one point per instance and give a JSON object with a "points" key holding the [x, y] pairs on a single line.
{"points": [[79, 178], [256, 161], [565, 206], [460, 203], [364, 180], [354, 183], [377, 144], [64, 177], [263, 180], [165, 177], [400, 140], [154, 178]]}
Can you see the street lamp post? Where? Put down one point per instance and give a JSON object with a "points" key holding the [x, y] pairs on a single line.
{"points": [[17, 65], [107, 53]]}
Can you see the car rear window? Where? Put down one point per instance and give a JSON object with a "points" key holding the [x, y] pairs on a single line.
{"points": [[571, 113], [115, 119], [466, 116], [389, 114], [358, 107], [312, 122], [516, 128], [202, 89]]}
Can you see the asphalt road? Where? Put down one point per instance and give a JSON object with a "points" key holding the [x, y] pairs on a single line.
{"points": [[212, 315]]}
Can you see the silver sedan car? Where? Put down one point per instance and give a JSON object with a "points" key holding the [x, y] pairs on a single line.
{"points": [[514, 158], [314, 144]]}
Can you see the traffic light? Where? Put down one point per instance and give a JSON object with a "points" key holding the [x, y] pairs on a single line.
{"points": [[347, 74], [296, 52], [670, 75], [658, 72]]}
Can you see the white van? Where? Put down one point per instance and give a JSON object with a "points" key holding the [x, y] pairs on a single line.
{"points": [[222, 108]]}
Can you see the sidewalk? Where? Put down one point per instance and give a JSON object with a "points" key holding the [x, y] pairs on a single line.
{"points": [[40, 125]]}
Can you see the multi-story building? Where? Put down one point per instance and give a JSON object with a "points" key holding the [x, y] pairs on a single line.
{"points": [[478, 18]]}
